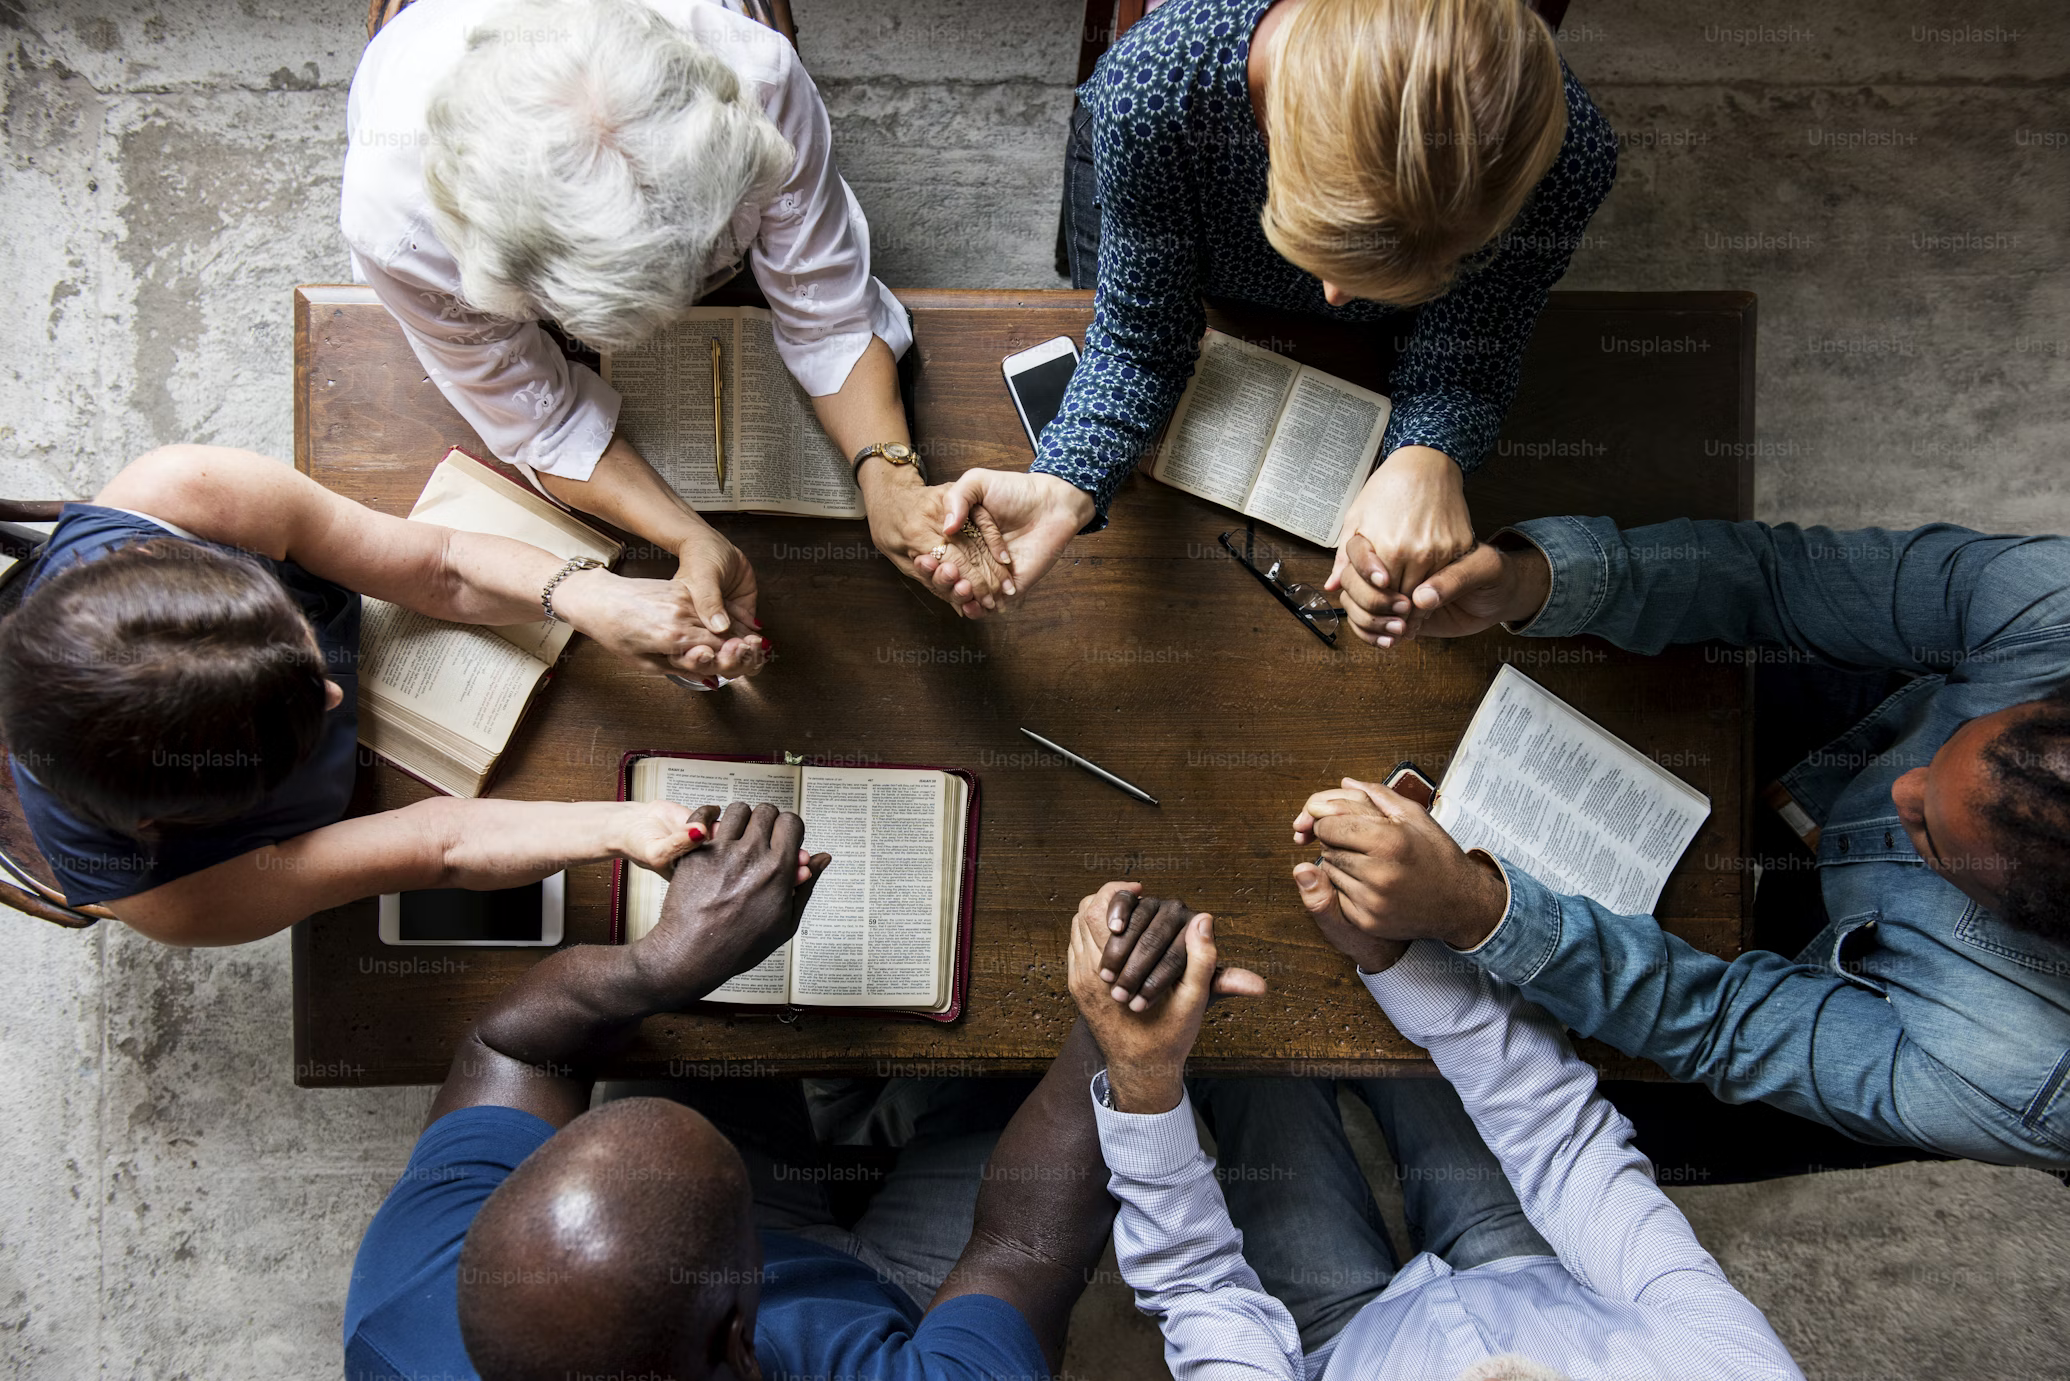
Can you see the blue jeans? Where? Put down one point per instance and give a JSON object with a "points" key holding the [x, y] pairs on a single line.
{"points": [[1310, 1227], [917, 1224], [1081, 202]]}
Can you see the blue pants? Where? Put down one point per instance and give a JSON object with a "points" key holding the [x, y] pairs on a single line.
{"points": [[1310, 1227]]}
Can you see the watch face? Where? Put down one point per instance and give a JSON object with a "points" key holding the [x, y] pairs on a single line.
{"points": [[898, 453]]}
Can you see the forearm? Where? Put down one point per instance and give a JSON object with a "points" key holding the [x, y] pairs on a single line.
{"points": [[867, 409], [625, 491], [1747, 1029], [1183, 1257], [441, 842], [1043, 1214], [1864, 599]]}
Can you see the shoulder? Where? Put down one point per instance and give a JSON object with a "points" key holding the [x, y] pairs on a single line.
{"points": [[1587, 165], [412, 1246], [1153, 73], [758, 55]]}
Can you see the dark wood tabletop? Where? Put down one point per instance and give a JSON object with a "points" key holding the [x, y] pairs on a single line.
{"points": [[1144, 649]]}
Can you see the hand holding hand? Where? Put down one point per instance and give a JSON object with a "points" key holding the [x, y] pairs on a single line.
{"points": [[721, 585], [1408, 521], [909, 522], [1034, 517], [1397, 874], [1370, 952], [1487, 586], [730, 903], [1141, 960], [658, 624], [1145, 1050]]}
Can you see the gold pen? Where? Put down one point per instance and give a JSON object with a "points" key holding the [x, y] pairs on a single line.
{"points": [[719, 411]]}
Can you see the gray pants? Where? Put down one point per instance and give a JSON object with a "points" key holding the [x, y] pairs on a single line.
{"points": [[916, 1225]]}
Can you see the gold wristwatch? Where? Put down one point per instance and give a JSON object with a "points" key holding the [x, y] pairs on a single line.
{"points": [[894, 453]]}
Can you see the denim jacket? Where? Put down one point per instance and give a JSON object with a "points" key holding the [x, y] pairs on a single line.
{"points": [[1945, 1028]]}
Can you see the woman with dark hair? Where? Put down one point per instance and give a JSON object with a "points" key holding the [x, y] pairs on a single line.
{"points": [[177, 691]]}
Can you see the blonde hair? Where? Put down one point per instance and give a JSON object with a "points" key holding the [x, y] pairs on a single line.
{"points": [[1405, 135]]}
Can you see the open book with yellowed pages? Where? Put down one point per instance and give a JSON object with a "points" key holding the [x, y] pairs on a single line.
{"points": [[441, 700], [778, 458], [888, 928], [1274, 439]]}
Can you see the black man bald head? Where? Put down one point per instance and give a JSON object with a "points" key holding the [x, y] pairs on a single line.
{"points": [[624, 1245]]}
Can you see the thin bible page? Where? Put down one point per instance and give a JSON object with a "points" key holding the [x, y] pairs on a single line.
{"points": [[1540, 785], [692, 782], [786, 458], [1225, 420], [666, 385], [871, 936], [461, 677], [1325, 445]]}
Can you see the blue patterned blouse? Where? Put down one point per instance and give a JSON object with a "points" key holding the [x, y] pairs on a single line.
{"points": [[1181, 170]]}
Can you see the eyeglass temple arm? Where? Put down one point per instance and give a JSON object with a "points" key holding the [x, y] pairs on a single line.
{"points": [[1286, 601]]}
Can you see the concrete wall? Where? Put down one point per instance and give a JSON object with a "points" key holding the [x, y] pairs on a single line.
{"points": [[1889, 177]]}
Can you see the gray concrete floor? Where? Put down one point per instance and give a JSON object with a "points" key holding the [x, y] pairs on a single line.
{"points": [[1890, 177]]}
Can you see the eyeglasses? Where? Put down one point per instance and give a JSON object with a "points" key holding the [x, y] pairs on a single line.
{"points": [[1304, 602]]}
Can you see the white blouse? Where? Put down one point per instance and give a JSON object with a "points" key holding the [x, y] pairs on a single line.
{"points": [[809, 245]]}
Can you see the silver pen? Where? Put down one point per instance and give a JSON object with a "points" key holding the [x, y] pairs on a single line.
{"points": [[1094, 768]]}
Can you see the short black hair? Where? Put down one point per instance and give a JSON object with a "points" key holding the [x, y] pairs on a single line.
{"points": [[2029, 815], [168, 683]]}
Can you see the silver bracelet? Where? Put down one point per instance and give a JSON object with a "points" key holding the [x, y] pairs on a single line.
{"points": [[575, 563]]}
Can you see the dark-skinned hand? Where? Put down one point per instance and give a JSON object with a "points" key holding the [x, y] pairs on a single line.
{"points": [[731, 902], [1146, 1050], [1145, 952]]}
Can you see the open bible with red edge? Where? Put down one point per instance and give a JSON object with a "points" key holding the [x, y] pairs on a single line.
{"points": [[887, 932]]}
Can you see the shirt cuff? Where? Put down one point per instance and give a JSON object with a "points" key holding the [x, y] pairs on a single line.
{"points": [[572, 449], [822, 364], [1522, 944], [1579, 561], [1462, 425], [1145, 1146]]}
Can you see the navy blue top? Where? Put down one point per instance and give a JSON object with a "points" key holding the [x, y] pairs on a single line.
{"points": [[1181, 173], [96, 864], [823, 1312]]}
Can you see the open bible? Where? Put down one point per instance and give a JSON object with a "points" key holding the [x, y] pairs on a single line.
{"points": [[1275, 440], [888, 926], [441, 700], [1543, 786], [778, 458]]}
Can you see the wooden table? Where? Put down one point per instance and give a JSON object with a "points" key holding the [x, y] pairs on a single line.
{"points": [[1144, 648]]}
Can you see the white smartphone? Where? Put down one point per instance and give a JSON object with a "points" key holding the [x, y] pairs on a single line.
{"points": [[505, 918], [1037, 378]]}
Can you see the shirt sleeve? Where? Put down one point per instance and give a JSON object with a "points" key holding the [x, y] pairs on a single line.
{"points": [[1458, 374], [1938, 599], [1183, 1257], [812, 252], [1147, 315], [401, 1309], [1569, 1155], [507, 378]]}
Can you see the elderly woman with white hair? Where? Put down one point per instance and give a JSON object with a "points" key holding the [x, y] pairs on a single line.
{"points": [[601, 165]]}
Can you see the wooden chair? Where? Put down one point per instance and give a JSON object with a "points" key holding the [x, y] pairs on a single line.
{"points": [[26, 881]]}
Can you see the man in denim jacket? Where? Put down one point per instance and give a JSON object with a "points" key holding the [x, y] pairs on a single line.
{"points": [[1942, 824]]}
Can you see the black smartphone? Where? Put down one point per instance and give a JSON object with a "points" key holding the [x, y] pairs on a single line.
{"points": [[507, 916], [1037, 378]]}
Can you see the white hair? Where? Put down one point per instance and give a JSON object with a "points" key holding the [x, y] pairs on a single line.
{"points": [[584, 157], [1511, 1366]]}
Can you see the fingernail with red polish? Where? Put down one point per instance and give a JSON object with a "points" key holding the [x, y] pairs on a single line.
{"points": [[710, 683], [696, 833]]}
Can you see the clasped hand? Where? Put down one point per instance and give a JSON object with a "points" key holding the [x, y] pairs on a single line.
{"points": [[699, 624], [1388, 873], [736, 894], [1129, 951]]}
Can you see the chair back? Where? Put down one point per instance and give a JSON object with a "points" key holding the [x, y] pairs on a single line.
{"points": [[26, 880]]}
